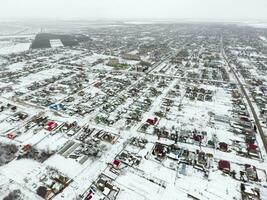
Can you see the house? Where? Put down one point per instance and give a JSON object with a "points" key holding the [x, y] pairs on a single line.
{"points": [[106, 186], [11, 135], [252, 149], [90, 194], [116, 163], [152, 121], [251, 172], [26, 147], [224, 166], [57, 107], [43, 192], [198, 138], [50, 125], [21, 115], [160, 150], [129, 158], [249, 192]]}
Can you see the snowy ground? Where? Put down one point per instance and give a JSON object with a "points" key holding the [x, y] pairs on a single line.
{"points": [[81, 115]]}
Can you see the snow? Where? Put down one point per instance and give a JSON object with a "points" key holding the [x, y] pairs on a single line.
{"points": [[263, 38], [68, 166], [150, 179], [257, 25], [136, 187], [20, 170], [52, 143], [16, 66], [14, 48], [56, 43]]}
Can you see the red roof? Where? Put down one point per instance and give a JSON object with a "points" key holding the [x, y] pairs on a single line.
{"points": [[252, 146], [152, 121], [224, 165], [51, 125], [116, 162], [10, 136], [197, 138], [26, 147]]}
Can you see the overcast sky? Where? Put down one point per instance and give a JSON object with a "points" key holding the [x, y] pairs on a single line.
{"points": [[127, 9]]}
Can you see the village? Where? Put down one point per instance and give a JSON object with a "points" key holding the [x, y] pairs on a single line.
{"points": [[136, 112]]}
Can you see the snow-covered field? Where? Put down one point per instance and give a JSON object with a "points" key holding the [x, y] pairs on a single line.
{"points": [[56, 43], [14, 48]]}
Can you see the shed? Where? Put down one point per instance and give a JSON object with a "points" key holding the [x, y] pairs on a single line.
{"points": [[42, 191], [223, 146]]}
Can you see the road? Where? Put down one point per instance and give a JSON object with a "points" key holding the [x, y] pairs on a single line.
{"points": [[244, 91]]}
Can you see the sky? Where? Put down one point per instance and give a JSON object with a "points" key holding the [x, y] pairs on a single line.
{"points": [[134, 9]]}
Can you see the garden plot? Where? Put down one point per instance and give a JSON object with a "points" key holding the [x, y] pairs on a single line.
{"points": [[36, 130], [68, 129], [54, 91], [197, 115], [12, 190], [138, 185], [39, 77], [52, 143], [188, 173], [129, 158], [104, 187], [59, 162], [92, 59], [15, 120], [16, 66], [106, 137], [36, 177], [244, 173], [9, 48], [83, 102], [150, 105], [218, 186], [164, 68], [92, 144], [137, 144], [112, 111], [82, 152]]}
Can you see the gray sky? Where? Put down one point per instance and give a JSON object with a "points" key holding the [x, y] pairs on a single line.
{"points": [[158, 9]]}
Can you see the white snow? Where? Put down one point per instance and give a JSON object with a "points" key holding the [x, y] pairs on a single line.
{"points": [[56, 43], [14, 48]]}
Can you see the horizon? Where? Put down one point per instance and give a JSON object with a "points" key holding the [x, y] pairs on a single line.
{"points": [[123, 20], [227, 10]]}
